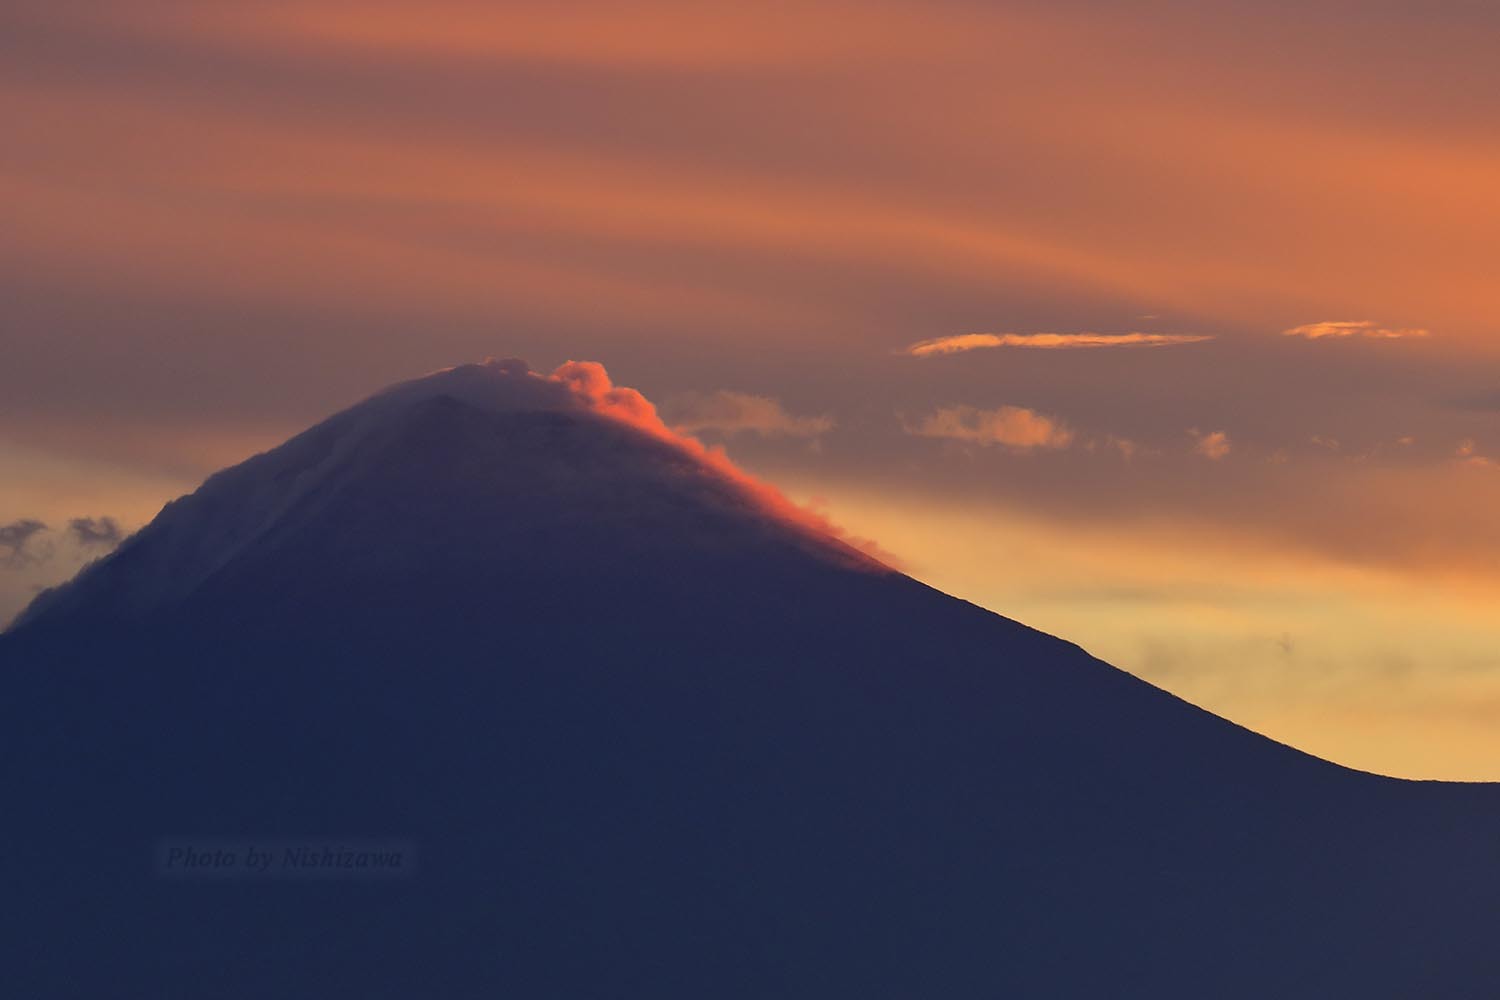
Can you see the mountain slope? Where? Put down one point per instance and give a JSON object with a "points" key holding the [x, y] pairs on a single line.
{"points": [[651, 732]]}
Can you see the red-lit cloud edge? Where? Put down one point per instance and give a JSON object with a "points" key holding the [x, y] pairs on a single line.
{"points": [[590, 389]]}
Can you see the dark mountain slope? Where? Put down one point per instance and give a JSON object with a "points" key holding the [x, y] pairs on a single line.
{"points": [[650, 737]]}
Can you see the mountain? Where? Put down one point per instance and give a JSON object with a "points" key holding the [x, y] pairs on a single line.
{"points": [[635, 726]]}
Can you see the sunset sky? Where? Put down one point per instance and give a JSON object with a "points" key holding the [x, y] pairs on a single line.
{"points": [[1167, 327]]}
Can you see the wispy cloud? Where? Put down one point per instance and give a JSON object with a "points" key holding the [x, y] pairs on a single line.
{"points": [[1013, 427], [14, 538], [1127, 448], [1353, 328], [1487, 400], [1467, 453], [1048, 341], [1211, 444], [738, 412], [22, 542], [95, 532]]}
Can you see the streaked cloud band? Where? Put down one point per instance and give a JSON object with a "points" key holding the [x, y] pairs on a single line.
{"points": [[1013, 427], [1353, 328], [728, 412], [1048, 341]]}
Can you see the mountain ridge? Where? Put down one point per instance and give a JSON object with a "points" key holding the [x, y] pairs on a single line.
{"points": [[652, 734], [284, 476]]}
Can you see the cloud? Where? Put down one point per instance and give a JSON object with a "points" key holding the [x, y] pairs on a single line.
{"points": [[14, 538], [1467, 453], [19, 544], [1488, 400], [1212, 444], [1353, 328], [1012, 427], [738, 412], [92, 532], [1048, 341], [584, 386], [1127, 448]]}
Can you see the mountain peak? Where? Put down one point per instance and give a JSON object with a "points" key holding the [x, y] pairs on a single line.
{"points": [[491, 452], [652, 729], [509, 385]]}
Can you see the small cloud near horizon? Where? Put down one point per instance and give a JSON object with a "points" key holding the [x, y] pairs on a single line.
{"points": [[95, 532], [1047, 341], [1467, 453], [1212, 445], [14, 539], [1127, 448], [1486, 400], [1013, 427], [1353, 328], [740, 413], [20, 543]]}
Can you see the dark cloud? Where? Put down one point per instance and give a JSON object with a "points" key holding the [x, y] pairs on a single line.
{"points": [[1485, 400], [15, 538], [21, 544], [95, 532]]}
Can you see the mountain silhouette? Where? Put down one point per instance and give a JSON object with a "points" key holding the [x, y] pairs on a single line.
{"points": [[639, 727]]}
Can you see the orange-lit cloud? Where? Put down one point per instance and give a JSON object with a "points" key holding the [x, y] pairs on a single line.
{"points": [[1197, 152], [1353, 328], [738, 412], [1211, 444], [1047, 341], [590, 32], [1014, 427], [1467, 453], [587, 386]]}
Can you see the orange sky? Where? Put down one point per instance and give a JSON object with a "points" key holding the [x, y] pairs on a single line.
{"points": [[225, 220]]}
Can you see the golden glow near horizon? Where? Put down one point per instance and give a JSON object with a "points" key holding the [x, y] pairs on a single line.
{"points": [[1377, 670], [1200, 296]]}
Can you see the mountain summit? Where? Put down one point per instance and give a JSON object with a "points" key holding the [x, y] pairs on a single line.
{"points": [[485, 463], [639, 727]]}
